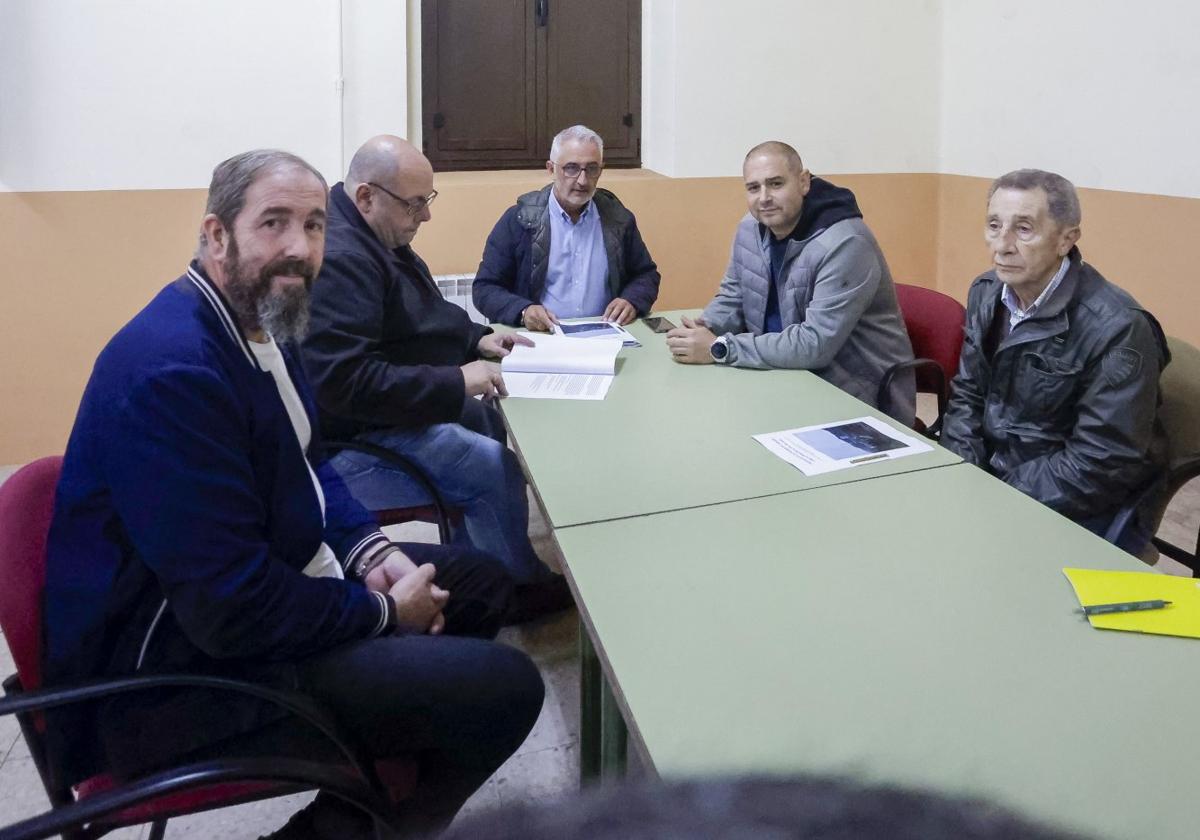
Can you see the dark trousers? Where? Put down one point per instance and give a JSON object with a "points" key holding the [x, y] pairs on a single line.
{"points": [[457, 703]]}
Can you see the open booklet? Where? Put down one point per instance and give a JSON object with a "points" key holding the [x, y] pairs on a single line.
{"points": [[837, 446], [595, 328], [560, 368]]}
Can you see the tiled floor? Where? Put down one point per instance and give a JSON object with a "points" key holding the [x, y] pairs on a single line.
{"points": [[547, 765]]}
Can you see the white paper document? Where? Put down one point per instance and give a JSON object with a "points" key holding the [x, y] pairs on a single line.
{"points": [[595, 328], [838, 446], [561, 368]]}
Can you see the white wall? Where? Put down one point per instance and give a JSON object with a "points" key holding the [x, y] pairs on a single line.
{"points": [[151, 94], [658, 85], [375, 66], [1105, 92], [145, 94], [854, 86]]}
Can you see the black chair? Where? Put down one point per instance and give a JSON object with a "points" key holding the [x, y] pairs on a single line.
{"points": [[436, 512]]}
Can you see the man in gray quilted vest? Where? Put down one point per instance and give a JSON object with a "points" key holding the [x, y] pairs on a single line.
{"points": [[807, 287]]}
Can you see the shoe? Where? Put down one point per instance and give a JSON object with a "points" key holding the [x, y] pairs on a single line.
{"points": [[326, 818], [535, 600]]}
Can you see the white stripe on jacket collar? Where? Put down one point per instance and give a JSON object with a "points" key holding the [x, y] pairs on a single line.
{"points": [[215, 300]]}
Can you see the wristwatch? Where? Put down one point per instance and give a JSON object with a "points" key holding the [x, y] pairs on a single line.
{"points": [[719, 350]]}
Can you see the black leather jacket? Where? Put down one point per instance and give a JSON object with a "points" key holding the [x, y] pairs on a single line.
{"points": [[1065, 408]]}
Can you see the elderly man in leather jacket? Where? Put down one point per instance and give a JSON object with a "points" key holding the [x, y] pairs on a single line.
{"points": [[1057, 391]]}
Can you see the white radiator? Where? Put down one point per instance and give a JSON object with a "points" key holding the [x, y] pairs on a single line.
{"points": [[456, 288]]}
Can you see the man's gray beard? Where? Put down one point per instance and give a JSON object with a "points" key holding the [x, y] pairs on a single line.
{"points": [[284, 313]]}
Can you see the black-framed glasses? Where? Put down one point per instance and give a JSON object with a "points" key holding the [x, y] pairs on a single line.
{"points": [[572, 170], [413, 205]]}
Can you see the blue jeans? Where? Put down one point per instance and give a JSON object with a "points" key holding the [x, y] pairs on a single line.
{"points": [[472, 471]]}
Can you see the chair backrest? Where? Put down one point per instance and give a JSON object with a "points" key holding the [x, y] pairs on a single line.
{"points": [[26, 506], [935, 325], [1180, 410]]}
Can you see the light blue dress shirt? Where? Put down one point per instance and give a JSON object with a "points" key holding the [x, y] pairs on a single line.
{"points": [[577, 271]]}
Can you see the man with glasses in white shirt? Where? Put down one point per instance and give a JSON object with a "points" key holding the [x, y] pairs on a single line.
{"points": [[568, 250]]}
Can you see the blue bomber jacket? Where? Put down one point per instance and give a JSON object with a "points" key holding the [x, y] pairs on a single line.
{"points": [[183, 518]]}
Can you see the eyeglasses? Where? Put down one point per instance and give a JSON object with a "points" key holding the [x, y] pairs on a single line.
{"points": [[413, 205], [572, 170]]}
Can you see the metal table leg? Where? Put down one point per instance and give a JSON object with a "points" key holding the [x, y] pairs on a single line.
{"points": [[602, 733], [590, 679], [613, 735]]}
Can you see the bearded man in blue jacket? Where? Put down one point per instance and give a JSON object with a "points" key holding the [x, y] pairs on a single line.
{"points": [[198, 529]]}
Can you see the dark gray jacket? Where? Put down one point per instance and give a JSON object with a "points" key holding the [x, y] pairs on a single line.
{"points": [[1065, 408], [840, 316], [512, 274]]}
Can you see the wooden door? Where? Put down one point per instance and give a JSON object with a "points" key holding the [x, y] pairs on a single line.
{"points": [[501, 77], [593, 74], [479, 83]]}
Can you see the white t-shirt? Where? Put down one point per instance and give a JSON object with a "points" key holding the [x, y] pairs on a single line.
{"points": [[324, 562]]}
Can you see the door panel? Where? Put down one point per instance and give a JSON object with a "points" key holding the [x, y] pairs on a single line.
{"points": [[593, 73], [500, 77], [479, 80]]}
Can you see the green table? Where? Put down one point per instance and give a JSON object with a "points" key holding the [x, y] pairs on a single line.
{"points": [[672, 436], [915, 628]]}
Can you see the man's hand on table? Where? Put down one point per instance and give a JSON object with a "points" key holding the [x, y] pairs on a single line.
{"points": [[620, 311], [691, 343], [539, 318], [483, 379], [419, 601], [499, 345]]}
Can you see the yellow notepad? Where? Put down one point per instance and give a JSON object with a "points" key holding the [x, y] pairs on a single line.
{"points": [[1180, 618]]}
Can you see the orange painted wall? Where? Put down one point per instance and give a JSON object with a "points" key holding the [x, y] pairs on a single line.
{"points": [[77, 265], [1140, 242]]}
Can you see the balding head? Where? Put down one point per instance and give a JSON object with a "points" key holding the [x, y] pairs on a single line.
{"points": [[776, 184], [382, 159], [776, 148], [391, 184]]}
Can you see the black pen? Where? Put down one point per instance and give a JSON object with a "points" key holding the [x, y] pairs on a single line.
{"points": [[1127, 606]]}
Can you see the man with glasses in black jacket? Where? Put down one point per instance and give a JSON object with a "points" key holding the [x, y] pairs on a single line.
{"points": [[395, 364]]}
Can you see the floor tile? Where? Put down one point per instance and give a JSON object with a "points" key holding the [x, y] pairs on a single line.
{"points": [[240, 822], [422, 532], [22, 796], [10, 730], [485, 799], [558, 724], [19, 749], [536, 777], [21, 791]]}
